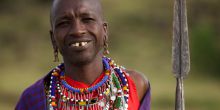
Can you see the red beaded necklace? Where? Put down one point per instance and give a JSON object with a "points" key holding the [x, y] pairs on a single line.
{"points": [[110, 93]]}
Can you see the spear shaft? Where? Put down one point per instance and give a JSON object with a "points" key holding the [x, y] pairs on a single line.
{"points": [[180, 50]]}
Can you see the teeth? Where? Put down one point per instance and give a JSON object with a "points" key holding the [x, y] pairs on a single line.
{"points": [[77, 44], [83, 43]]}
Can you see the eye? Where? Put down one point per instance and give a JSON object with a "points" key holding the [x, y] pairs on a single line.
{"points": [[63, 23], [87, 20]]}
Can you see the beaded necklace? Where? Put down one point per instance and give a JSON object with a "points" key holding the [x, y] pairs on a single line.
{"points": [[111, 93]]}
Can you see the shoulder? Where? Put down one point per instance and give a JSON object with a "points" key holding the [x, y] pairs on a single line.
{"points": [[140, 81], [30, 94], [36, 87]]}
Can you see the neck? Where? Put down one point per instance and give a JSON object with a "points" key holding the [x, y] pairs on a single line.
{"points": [[86, 73]]}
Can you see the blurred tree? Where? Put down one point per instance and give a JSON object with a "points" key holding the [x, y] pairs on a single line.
{"points": [[41, 2], [205, 25]]}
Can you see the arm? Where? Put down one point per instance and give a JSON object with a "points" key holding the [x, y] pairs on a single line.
{"points": [[143, 89], [141, 83]]}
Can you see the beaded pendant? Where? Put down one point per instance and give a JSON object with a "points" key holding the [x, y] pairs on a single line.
{"points": [[111, 93]]}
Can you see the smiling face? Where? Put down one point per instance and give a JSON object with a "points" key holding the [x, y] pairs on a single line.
{"points": [[78, 30]]}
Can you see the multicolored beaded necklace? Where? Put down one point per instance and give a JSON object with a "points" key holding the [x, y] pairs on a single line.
{"points": [[111, 93]]}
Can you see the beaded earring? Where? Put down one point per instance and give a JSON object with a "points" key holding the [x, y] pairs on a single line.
{"points": [[56, 58], [106, 51]]}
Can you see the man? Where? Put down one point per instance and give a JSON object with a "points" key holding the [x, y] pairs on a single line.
{"points": [[87, 80]]}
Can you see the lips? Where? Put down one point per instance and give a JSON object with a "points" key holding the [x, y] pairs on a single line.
{"points": [[79, 44]]}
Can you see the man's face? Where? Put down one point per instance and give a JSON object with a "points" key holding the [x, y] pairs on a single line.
{"points": [[78, 29]]}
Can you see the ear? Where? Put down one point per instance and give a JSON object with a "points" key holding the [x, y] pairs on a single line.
{"points": [[53, 40], [105, 27]]}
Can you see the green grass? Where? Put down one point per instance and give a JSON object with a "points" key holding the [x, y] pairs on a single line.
{"points": [[140, 39], [201, 92]]}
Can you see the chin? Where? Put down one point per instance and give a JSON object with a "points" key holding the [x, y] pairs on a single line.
{"points": [[80, 59]]}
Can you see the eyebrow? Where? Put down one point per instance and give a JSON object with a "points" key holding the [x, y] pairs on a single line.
{"points": [[87, 14], [68, 15], [64, 16]]}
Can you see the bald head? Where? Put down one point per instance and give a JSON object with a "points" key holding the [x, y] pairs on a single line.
{"points": [[62, 6], [78, 21]]}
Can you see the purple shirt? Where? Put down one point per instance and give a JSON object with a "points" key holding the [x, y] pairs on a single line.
{"points": [[34, 98]]}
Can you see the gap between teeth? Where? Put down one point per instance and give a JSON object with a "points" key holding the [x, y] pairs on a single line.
{"points": [[77, 44]]}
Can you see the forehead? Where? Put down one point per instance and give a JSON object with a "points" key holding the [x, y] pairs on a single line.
{"points": [[61, 7]]}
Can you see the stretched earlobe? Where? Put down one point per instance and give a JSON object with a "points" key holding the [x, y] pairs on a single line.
{"points": [[56, 57], [55, 48], [105, 27], [106, 51]]}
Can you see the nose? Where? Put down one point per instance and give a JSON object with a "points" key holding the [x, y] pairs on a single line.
{"points": [[77, 29]]}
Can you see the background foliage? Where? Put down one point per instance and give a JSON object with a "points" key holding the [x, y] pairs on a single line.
{"points": [[140, 38]]}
